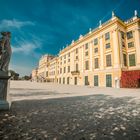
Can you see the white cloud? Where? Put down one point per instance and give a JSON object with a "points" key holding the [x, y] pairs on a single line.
{"points": [[25, 48], [14, 23]]}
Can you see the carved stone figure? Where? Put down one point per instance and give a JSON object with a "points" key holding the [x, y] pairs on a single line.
{"points": [[5, 51]]}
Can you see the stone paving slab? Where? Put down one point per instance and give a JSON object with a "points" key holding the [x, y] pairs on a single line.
{"points": [[26, 90]]}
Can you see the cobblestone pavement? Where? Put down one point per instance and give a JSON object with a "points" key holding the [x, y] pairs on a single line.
{"points": [[77, 118], [91, 117]]}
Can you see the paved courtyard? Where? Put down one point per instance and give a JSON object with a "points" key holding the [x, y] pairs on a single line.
{"points": [[41, 111]]}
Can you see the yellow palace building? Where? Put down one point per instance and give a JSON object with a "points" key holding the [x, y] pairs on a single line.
{"points": [[102, 56]]}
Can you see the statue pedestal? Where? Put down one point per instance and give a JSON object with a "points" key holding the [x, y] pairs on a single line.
{"points": [[4, 90]]}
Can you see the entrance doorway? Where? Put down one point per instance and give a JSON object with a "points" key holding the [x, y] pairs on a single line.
{"points": [[75, 80], [108, 80], [68, 80], [96, 80], [86, 80]]}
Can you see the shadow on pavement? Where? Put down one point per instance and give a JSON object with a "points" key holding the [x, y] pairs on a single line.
{"points": [[92, 117]]}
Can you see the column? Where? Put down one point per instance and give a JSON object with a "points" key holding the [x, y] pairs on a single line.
{"points": [[82, 64], [91, 51], [137, 45], [101, 53], [72, 60], [116, 46]]}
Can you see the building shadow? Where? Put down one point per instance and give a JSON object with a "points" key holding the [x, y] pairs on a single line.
{"points": [[98, 117]]}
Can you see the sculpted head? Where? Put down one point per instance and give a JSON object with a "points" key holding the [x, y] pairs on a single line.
{"points": [[8, 34]]}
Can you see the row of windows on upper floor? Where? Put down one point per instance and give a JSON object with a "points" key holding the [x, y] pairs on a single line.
{"points": [[107, 46], [130, 62], [96, 64], [107, 37]]}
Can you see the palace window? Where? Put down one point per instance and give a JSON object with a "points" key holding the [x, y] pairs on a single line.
{"points": [[86, 46], [122, 34], [59, 80], [129, 35], [95, 50], [108, 80], [132, 61], [108, 60], [76, 57], [87, 65], [130, 44], [107, 36], [96, 41], [68, 80], [96, 80], [68, 54], [96, 61], [125, 59], [76, 67], [123, 44], [86, 53], [76, 50], [63, 80], [47, 73], [64, 69], [107, 46]]}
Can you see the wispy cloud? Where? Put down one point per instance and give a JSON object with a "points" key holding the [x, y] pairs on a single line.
{"points": [[26, 47], [14, 23]]}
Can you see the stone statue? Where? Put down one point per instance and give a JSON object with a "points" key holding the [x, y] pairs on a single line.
{"points": [[5, 51]]}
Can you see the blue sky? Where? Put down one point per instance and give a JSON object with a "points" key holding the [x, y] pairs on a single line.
{"points": [[44, 26]]}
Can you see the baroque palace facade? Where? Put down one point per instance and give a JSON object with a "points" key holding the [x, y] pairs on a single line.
{"points": [[108, 56]]}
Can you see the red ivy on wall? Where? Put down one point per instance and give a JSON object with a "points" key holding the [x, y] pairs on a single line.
{"points": [[130, 79]]}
